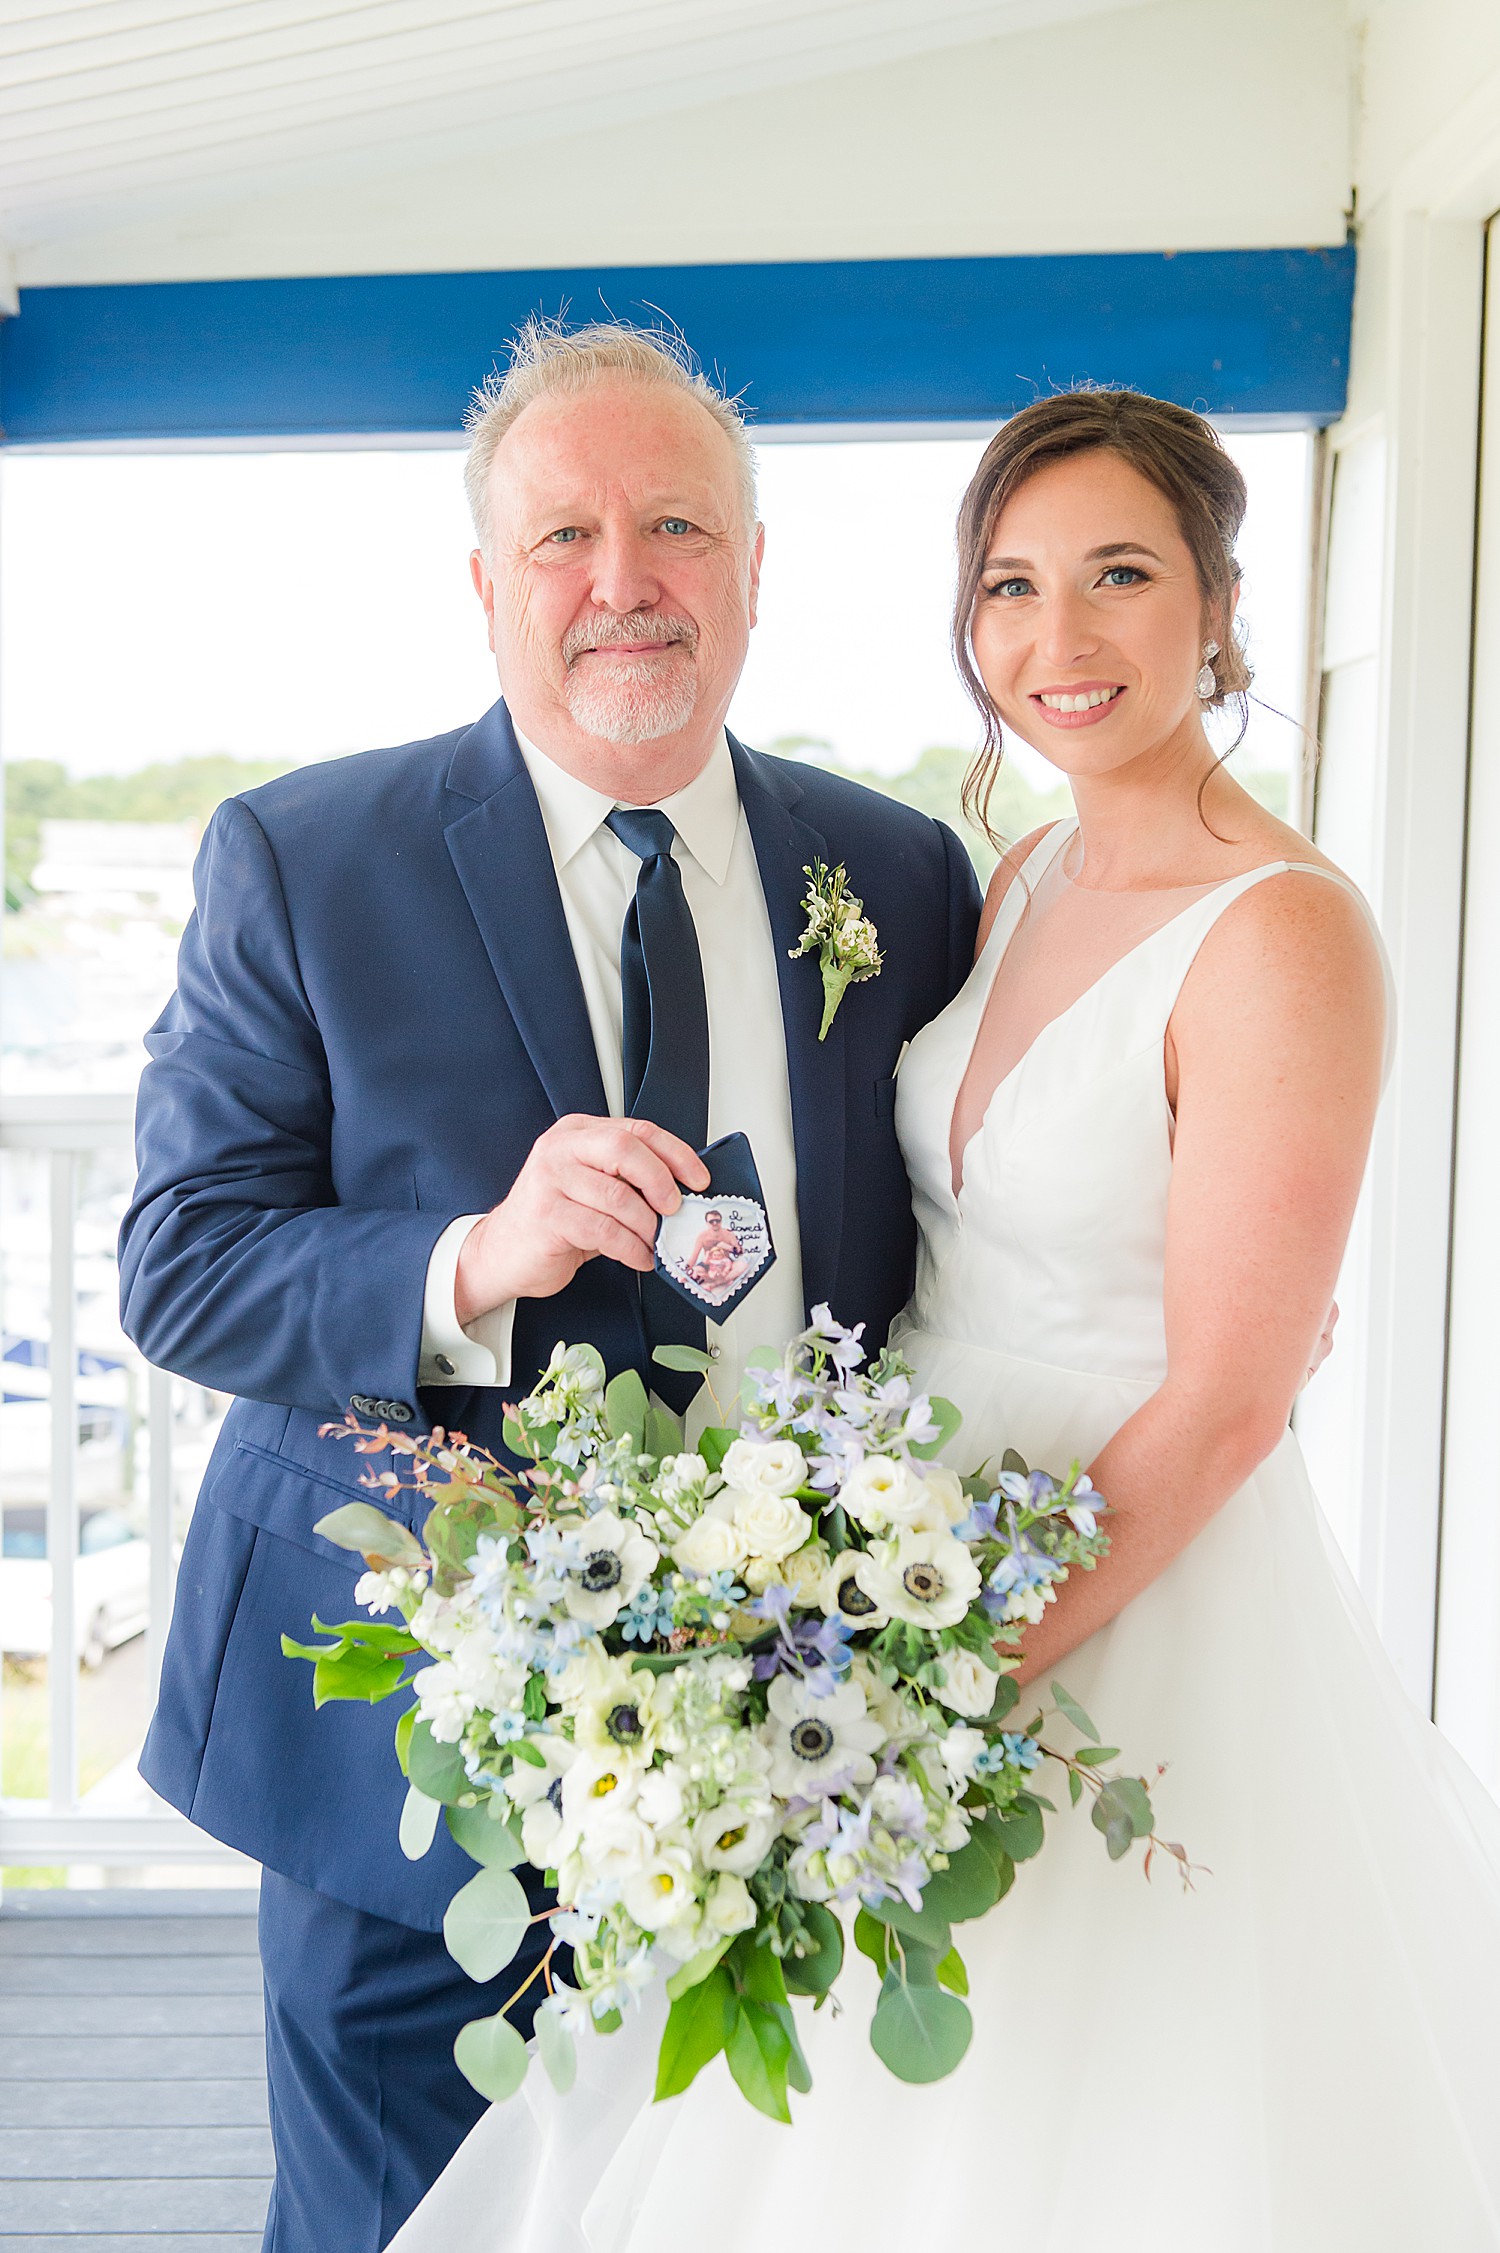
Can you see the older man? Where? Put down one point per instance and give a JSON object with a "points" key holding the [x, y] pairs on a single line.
{"points": [[452, 1023]]}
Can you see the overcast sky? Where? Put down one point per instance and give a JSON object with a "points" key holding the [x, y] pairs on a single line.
{"points": [[294, 606]]}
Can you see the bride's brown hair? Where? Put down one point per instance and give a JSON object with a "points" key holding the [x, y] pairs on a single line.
{"points": [[1177, 452]]}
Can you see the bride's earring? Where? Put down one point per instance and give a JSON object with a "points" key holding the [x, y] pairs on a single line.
{"points": [[1206, 685]]}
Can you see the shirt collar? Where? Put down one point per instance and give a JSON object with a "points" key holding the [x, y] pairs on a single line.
{"points": [[705, 815]]}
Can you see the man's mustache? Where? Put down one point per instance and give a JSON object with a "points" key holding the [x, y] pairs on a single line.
{"points": [[608, 630]]}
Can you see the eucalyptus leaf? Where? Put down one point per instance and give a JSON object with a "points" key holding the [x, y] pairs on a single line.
{"points": [[714, 1444], [405, 1724], [920, 2033], [556, 2049], [924, 1924], [486, 1922], [698, 2026], [379, 1539], [1075, 1786], [492, 2057], [816, 1972], [436, 1769], [875, 1940], [967, 1888], [1020, 1831], [663, 1431], [688, 1359], [1011, 1461], [1070, 1708], [1094, 1756], [418, 1827], [486, 1836], [625, 1407]]}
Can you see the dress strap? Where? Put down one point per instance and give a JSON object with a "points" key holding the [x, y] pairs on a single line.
{"points": [[1227, 893]]}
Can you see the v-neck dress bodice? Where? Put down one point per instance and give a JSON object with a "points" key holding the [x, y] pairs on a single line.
{"points": [[1053, 1249]]}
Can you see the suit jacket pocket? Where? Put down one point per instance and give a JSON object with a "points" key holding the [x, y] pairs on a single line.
{"points": [[287, 1499]]}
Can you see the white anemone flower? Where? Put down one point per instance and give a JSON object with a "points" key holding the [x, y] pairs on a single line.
{"points": [[814, 1735], [926, 1579], [734, 1838], [845, 1595], [881, 1492], [537, 1792], [613, 1558], [618, 1715]]}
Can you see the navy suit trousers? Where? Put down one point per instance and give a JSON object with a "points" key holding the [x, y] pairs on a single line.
{"points": [[367, 2105]]}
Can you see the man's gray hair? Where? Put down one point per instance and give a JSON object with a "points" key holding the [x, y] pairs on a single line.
{"points": [[548, 360]]}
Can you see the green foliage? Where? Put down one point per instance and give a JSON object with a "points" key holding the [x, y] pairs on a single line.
{"points": [[967, 1888], [926, 1924], [38, 790], [380, 1540], [663, 1431], [698, 2026], [815, 1973], [1072, 1711], [714, 1444], [485, 1923], [365, 1663], [919, 2031], [697, 1967], [625, 1407], [952, 1973], [484, 1834], [556, 2049], [436, 1769], [689, 1359], [1123, 1813], [418, 1826], [1020, 1831], [491, 2054], [759, 2049]]}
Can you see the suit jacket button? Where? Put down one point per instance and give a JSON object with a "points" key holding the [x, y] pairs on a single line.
{"points": [[363, 1405], [395, 1411]]}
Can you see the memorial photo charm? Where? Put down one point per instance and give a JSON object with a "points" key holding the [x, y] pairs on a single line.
{"points": [[714, 1249]]}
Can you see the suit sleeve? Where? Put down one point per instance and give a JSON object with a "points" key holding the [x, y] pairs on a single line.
{"points": [[239, 1268], [965, 901]]}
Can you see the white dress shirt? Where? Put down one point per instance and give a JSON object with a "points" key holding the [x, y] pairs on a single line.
{"points": [[748, 1089]]}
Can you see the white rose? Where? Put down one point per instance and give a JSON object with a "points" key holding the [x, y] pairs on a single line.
{"points": [[804, 1572], [772, 1525], [945, 1487], [968, 1685], [881, 1493], [659, 1798], [733, 1838], [729, 1905], [710, 1544], [756, 1466], [960, 1749]]}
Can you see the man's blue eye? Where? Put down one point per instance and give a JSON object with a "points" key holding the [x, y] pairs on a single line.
{"points": [[675, 524], [567, 532]]}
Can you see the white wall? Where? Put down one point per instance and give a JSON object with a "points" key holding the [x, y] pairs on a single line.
{"points": [[1182, 125], [1393, 787]]}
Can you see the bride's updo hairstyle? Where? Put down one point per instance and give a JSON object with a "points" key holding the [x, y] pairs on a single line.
{"points": [[1177, 452]]}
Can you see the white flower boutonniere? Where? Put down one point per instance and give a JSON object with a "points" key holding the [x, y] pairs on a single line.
{"points": [[840, 934]]}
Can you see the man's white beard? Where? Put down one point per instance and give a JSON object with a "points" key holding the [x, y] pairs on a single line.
{"points": [[638, 700]]}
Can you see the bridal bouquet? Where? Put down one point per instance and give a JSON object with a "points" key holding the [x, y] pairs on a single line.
{"points": [[733, 1701]]}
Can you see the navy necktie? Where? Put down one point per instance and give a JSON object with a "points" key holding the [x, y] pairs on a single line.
{"points": [[665, 1041]]}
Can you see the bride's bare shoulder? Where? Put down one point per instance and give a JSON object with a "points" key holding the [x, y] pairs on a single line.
{"points": [[1004, 874]]}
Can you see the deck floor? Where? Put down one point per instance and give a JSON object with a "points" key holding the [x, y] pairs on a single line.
{"points": [[132, 2073]]}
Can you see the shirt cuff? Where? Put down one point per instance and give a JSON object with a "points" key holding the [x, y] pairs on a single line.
{"points": [[478, 1355]]}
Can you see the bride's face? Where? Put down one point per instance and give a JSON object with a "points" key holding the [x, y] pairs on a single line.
{"points": [[1089, 591]]}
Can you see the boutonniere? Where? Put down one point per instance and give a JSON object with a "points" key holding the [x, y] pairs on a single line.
{"points": [[840, 934]]}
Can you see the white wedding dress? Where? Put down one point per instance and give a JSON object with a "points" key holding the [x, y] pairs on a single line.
{"points": [[1302, 2055]]}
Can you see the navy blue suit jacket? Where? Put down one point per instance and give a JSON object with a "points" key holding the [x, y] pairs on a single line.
{"points": [[377, 1013]]}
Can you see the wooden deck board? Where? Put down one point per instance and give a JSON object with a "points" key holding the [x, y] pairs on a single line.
{"points": [[132, 2074]]}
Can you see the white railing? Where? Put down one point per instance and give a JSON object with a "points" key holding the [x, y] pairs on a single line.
{"points": [[67, 1826]]}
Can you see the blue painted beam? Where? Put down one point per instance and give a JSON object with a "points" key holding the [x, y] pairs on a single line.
{"points": [[1259, 332]]}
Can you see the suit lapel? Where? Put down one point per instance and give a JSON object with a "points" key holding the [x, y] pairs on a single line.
{"points": [[498, 845], [784, 846]]}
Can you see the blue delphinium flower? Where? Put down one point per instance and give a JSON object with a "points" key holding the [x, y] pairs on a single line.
{"points": [[816, 1649]]}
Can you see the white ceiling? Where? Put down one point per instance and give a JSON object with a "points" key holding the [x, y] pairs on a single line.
{"points": [[128, 106]]}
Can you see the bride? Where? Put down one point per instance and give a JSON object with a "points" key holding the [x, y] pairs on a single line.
{"points": [[1135, 1141]]}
